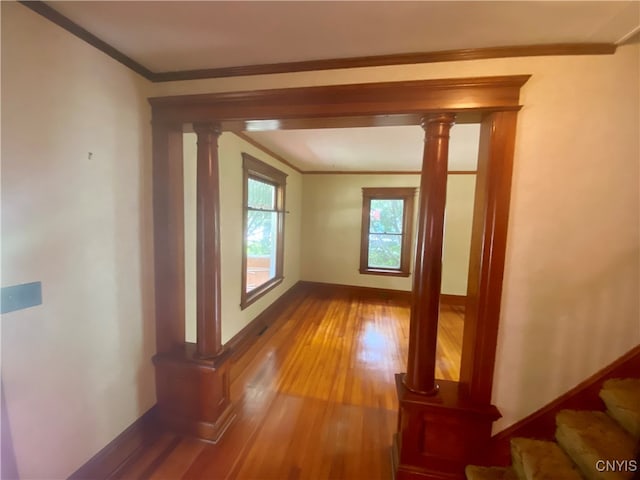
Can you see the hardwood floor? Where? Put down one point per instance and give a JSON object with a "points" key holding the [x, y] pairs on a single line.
{"points": [[315, 396]]}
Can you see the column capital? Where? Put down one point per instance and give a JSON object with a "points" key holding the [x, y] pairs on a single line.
{"points": [[207, 128], [444, 117]]}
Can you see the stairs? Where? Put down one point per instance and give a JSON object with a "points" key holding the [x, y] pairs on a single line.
{"points": [[589, 445]]}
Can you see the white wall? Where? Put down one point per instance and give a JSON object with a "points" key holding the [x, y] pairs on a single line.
{"points": [[230, 157], [77, 369], [331, 229], [570, 304]]}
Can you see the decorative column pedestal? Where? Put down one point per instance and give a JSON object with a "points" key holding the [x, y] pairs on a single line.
{"points": [[193, 394], [439, 435]]}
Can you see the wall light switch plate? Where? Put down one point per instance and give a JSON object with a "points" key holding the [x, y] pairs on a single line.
{"points": [[17, 297]]}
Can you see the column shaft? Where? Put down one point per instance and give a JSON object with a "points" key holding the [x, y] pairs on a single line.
{"points": [[208, 290], [427, 274]]}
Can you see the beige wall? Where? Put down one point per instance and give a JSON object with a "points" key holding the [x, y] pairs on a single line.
{"points": [[230, 155], [331, 229], [77, 369], [570, 303]]}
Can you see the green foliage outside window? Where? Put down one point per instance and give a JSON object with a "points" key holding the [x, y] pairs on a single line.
{"points": [[385, 233], [261, 225]]}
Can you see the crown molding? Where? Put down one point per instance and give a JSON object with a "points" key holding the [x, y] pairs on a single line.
{"points": [[395, 59], [70, 26], [54, 16]]}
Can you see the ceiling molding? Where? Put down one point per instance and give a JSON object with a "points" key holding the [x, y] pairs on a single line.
{"points": [[54, 16], [395, 59], [314, 65], [259, 146]]}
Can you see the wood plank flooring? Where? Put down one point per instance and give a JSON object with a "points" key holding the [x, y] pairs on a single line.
{"points": [[315, 396]]}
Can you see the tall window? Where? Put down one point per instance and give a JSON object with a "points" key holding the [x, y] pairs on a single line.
{"points": [[387, 216], [263, 227]]}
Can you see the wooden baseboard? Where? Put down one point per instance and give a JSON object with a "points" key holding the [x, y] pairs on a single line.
{"points": [[112, 458], [242, 341], [453, 300], [584, 396], [382, 293]]}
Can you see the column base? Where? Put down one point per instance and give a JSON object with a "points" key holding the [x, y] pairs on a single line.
{"points": [[439, 435], [193, 394]]}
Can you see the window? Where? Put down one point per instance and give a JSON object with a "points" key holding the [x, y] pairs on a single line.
{"points": [[263, 227], [387, 216]]}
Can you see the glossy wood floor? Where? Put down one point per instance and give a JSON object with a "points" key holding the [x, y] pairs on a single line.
{"points": [[315, 396]]}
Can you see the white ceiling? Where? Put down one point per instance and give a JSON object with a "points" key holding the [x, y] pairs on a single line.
{"points": [[369, 148], [172, 35]]}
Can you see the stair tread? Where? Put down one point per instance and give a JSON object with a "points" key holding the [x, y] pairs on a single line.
{"points": [[474, 472], [541, 460], [622, 398], [589, 437]]}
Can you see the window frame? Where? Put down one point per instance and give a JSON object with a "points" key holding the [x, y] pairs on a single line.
{"points": [[407, 194], [252, 168]]}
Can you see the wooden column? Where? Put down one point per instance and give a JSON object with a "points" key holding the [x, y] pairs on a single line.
{"points": [[487, 256], [208, 296], [192, 381], [427, 274], [168, 226]]}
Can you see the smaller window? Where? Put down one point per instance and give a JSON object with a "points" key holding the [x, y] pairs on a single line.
{"points": [[387, 215], [263, 228]]}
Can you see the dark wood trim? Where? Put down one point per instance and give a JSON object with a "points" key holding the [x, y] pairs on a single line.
{"points": [[244, 339], [168, 232], [439, 435], [335, 288], [269, 152], [427, 272], [375, 100], [400, 295], [383, 272], [487, 256], [393, 59], [257, 169], [360, 172], [453, 300], [121, 450], [209, 280], [584, 396], [193, 393], [54, 16], [380, 172], [312, 65], [352, 121], [407, 195]]}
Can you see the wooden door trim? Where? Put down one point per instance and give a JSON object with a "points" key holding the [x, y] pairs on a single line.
{"points": [[267, 109], [493, 99]]}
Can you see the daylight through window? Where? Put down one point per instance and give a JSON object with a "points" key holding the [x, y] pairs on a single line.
{"points": [[263, 250]]}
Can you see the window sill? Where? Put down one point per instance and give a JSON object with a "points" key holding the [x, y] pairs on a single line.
{"points": [[382, 271], [259, 292]]}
